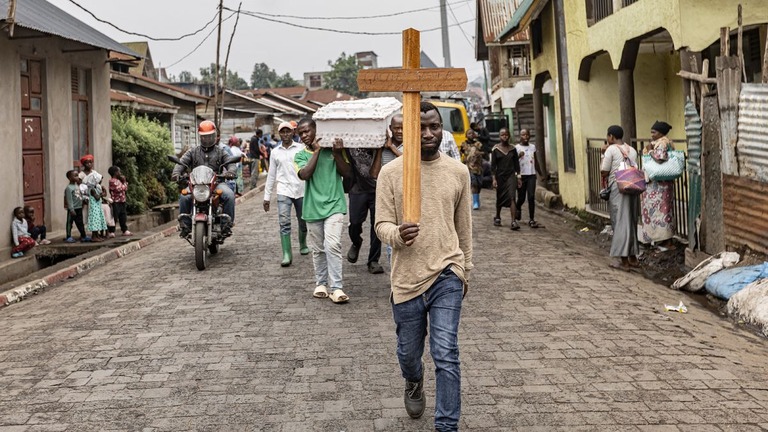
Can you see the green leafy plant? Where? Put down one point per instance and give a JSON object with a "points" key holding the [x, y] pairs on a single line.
{"points": [[139, 147]]}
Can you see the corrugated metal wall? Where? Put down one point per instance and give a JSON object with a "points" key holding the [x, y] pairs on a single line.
{"points": [[745, 213], [752, 148], [745, 197]]}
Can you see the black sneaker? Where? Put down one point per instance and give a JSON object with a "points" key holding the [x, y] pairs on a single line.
{"points": [[375, 268], [414, 398], [184, 231], [354, 252]]}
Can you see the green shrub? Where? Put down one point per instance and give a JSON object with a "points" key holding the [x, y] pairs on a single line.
{"points": [[139, 147]]}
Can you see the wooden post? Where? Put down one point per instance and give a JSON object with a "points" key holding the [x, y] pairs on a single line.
{"points": [[538, 127], [765, 63], [411, 80], [216, 82], [411, 132], [627, 104]]}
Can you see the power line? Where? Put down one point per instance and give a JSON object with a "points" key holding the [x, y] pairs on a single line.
{"points": [[141, 34], [200, 44], [353, 17], [259, 16], [460, 28]]}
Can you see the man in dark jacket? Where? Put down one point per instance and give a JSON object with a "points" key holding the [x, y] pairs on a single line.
{"points": [[207, 153]]}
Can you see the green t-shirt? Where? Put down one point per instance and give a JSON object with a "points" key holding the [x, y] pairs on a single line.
{"points": [[324, 193]]}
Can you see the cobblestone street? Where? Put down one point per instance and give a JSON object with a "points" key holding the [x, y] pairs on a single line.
{"points": [[551, 339]]}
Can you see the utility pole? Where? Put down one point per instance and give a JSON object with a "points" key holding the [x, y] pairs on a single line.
{"points": [[226, 63], [216, 96], [444, 28]]}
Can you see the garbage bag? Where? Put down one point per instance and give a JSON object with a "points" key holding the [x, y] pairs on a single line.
{"points": [[751, 305], [695, 279], [728, 282]]}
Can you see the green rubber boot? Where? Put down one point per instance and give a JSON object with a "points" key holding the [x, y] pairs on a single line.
{"points": [[285, 239], [303, 249]]}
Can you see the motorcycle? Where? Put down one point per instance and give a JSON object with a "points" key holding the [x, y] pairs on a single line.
{"points": [[209, 224]]}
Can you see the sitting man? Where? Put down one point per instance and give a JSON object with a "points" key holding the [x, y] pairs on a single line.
{"points": [[214, 156]]}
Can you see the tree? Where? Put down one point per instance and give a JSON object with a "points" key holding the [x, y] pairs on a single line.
{"points": [[139, 147], [234, 81], [343, 75], [186, 77], [264, 77], [286, 80]]}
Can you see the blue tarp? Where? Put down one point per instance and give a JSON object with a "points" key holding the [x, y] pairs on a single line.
{"points": [[728, 282]]}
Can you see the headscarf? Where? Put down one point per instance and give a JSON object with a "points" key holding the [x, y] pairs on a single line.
{"points": [[85, 158], [661, 127]]}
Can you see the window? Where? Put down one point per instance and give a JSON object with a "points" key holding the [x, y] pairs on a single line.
{"points": [[597, 10], [315, 81], [536, 38], [81, 145]]}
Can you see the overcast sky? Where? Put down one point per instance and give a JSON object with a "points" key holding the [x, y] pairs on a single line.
{"points": [[282, 47]]}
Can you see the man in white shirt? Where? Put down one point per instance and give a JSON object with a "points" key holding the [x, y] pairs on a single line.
{"points": [[528, 169], [290, 190]]}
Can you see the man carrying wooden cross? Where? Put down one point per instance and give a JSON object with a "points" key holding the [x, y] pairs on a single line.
{"points": [[431, 262]]}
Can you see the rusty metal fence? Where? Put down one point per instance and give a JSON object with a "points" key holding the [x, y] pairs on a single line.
{"points": [[599, 206]]}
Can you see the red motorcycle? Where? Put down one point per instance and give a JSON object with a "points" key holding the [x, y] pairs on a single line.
{"points": [[210, 225]]}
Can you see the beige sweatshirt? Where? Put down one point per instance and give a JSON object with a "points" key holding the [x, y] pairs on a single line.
{"points": [[445, 232]]}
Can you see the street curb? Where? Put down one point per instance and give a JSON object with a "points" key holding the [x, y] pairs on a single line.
{"points": [[20, 293]]}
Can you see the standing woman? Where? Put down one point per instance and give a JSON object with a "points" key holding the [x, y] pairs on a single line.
{"points": [[658, 198], [624, 208], [505, 168]]}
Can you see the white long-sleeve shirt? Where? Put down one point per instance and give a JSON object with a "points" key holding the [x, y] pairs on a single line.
{"points": [[19, 229], [283, 172]]}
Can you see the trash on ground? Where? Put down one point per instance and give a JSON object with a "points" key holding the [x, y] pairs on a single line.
{"points": [[728, 282], [585, 229], [695, 279], [679, 308], [608, 230], [751, 305]]}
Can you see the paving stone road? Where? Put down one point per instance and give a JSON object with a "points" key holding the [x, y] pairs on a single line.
{"points": [[551, 339]]}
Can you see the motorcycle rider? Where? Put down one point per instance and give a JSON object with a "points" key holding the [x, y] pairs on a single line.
{"points": [[212, 155]]}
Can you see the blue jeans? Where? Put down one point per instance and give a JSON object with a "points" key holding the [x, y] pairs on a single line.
{"points": [[227, 201], [284, 213], [325, 242], [441, 303]]}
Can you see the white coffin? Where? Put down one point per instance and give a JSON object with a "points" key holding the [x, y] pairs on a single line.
{"points": [[361, 123]]}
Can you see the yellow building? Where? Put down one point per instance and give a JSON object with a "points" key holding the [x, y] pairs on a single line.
{"points": [[616, 62]]}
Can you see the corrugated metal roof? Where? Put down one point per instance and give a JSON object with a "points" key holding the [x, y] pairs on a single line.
{"points": [[752, 147], [495, 15], [39, 15], [517, 25]]}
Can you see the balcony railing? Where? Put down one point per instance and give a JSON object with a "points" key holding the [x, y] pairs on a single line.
{"points": [[599, 206]]}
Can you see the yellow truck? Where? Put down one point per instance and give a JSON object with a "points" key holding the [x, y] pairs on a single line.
{"points": [[455, 119]]}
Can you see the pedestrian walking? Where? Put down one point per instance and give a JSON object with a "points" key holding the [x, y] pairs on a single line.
{"points": [[624, 207], [290, 191], [392, 150], [528, 169], [324, 207], [505, 168], [431, 263], [362, 201], [474, 162], [97, 222], [254, 153]]}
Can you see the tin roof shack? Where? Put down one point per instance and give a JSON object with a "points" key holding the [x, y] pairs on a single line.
{"points": [[248, 113], [172, 106], [359, 123], [56, 107]]}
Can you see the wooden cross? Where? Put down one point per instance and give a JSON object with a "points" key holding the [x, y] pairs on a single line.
{"points": [[411, 80]]}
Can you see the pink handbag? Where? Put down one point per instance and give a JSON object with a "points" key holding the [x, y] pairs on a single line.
{"points": [[631, 180]]}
